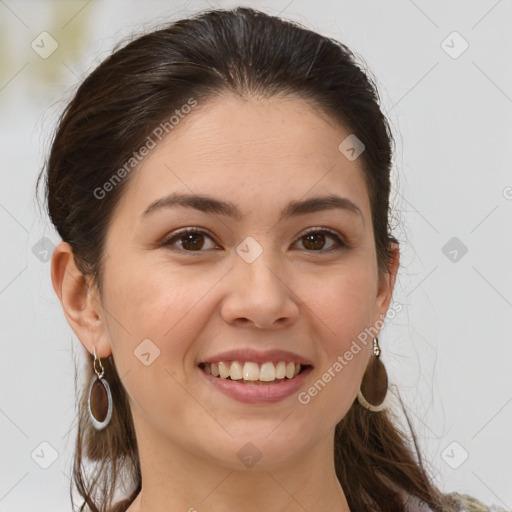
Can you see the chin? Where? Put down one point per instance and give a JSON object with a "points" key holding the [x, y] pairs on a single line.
{"points": [[253, 449]]}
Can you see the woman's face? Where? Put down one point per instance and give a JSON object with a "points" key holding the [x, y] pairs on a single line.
{"points": [[254, 276]]}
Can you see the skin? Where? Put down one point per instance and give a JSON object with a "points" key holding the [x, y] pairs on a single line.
{"points": [[259, 154]]}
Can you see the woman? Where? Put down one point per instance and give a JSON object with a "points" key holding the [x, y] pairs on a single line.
{"points": [[221, 188]]}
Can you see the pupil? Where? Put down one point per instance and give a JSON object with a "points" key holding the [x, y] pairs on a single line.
{"points": [[192, 239], [311, 238]]}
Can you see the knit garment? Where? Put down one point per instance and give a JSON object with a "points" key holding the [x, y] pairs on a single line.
{"points": [[465, 503]]}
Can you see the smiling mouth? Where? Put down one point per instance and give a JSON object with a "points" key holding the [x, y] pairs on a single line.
{"points": [[248, 372]]}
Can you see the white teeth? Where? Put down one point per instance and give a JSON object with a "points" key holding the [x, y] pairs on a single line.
{"points": [[267, 372], [223, 370], [281, 370], [251, 371], [235, 370], [290, 370]]}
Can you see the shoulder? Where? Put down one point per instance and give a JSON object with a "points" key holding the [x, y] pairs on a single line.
{"points": [[471, 504], [459, 502]]}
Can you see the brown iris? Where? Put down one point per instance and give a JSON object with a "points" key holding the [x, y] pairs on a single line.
{"points": [[193, 240], [317, 240]]}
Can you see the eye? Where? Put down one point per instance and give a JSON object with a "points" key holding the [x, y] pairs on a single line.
{"points": [[191, 240], [315, 239], [194, 239]]}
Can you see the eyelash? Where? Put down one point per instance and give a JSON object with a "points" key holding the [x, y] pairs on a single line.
{"points": [[324, 231]]}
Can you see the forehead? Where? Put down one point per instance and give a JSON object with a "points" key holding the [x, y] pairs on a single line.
{"points": [[249, 149]]}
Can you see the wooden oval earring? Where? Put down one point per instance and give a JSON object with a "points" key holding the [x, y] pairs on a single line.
{"points": [[374, 386], [99, 397]]}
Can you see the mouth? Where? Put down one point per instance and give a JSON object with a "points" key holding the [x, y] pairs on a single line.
{"points": [[253, 373]]}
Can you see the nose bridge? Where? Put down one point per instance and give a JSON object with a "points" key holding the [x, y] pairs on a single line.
{"points": [[260, 293], [259, 267]]}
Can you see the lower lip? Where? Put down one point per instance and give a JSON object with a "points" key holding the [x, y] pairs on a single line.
{"points": [[255, 394]]}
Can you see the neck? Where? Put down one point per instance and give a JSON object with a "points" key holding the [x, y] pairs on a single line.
{"points": [[307, 482]]}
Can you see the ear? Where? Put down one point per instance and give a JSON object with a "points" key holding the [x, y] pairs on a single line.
{"points": [[80, 301], [387, 283]]}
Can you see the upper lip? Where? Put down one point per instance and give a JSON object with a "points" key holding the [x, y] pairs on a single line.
{"points": [[257, 356]]}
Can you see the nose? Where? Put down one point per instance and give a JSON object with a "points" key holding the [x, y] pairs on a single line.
{"points": [[259, 296]]}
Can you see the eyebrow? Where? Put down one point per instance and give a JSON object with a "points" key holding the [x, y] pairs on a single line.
{"points": [[208, 204]]}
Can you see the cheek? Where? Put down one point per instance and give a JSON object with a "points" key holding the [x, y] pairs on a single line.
{"points": [[344, 308], [154, 304], [150, 321], [345, 349], [344, 305]]}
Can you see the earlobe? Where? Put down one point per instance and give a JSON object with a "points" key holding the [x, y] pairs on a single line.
{"points": [[79, 301]]}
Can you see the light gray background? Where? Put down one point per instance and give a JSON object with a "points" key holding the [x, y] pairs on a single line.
{"points": [[449, 351]]}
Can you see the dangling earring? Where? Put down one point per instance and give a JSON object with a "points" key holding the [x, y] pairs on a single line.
{"points": [[99, 397], [374, 385]]}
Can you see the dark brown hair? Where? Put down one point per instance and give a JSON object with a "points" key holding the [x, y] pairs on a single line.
{"points": [[246, 53]]}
